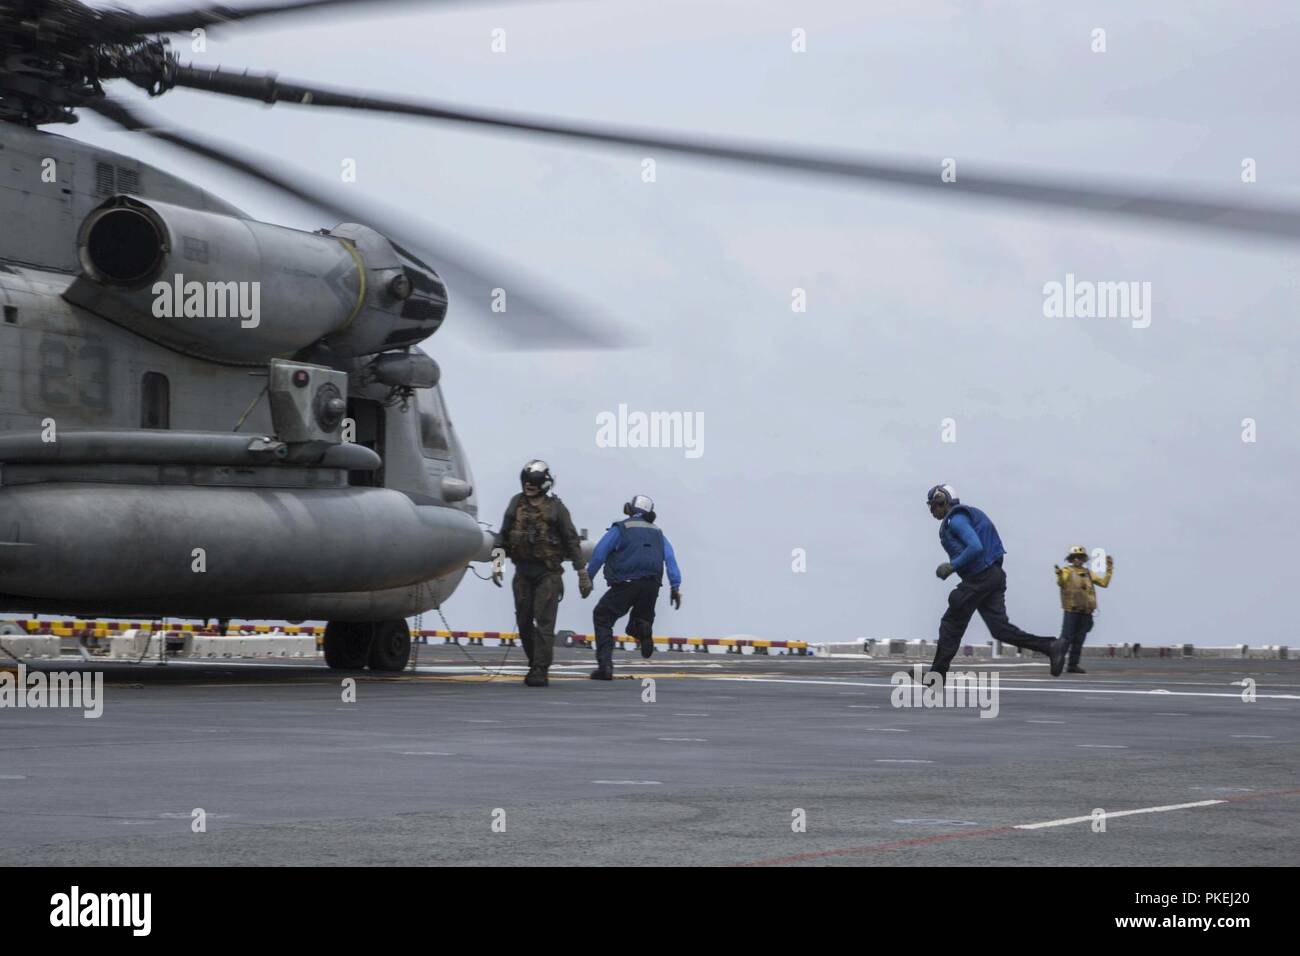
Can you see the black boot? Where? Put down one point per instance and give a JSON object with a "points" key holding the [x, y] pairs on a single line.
{"points": [[643, 631], [536, 677], [1075, 669], [1060, 648], [603, 672]]}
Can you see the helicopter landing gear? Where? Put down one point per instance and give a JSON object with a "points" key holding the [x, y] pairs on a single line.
{"points": [[390, 645], [381, 645], [347, 645]]}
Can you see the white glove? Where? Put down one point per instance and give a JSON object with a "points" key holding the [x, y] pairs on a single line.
{"points": [[498, 565]]}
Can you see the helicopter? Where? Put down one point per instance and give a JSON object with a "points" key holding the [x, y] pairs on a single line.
{"points": [[203, 415]]}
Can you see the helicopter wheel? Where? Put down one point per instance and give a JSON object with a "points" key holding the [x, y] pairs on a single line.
{"points": [[390, 645], [346, 645]]}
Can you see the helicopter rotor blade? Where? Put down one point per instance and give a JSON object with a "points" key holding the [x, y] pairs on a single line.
{"points": [[180, 21], [534, 317], [1167, 207]]}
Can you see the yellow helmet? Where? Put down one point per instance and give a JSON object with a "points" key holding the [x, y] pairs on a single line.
{"points": [[1078, 551]]}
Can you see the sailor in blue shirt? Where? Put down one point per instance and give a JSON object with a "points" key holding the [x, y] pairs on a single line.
{"points": [[975, 555], [634, 552]]}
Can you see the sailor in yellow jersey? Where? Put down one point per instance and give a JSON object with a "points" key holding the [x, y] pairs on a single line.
{"points": [[1079, 600]]}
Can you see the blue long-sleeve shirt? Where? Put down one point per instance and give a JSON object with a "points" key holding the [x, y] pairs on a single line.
{"points": [[971, 547], [606, 545]]}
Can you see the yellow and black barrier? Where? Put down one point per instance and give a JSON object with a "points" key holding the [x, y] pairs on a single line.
{"points": [[700, 645]]}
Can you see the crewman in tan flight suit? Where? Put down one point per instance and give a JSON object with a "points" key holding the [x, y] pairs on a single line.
{"points": [[1079, 599], [538, 535]]}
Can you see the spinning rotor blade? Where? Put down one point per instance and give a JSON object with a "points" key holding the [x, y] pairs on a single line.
{"points": [[534, 319], [181, 21], [1219, 215]]}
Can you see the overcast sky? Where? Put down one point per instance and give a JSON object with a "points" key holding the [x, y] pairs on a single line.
{"points": [[822, 430]]}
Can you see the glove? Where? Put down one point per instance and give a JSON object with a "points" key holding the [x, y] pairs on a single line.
{"points": [[498, 565], [1110, 562], [943, 570], [675, 598], [584, 582]]}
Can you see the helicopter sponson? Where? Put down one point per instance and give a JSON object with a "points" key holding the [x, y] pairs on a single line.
{"points": [[241, 292]]}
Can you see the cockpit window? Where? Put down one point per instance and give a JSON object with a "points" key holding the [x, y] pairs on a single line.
{"points": [[433, 424]]}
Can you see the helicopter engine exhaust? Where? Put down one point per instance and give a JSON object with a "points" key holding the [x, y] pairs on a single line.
{"points": [[242, 292]]}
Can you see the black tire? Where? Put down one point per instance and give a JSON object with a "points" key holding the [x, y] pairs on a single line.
{"points": [[390, 645], [347, 645]]}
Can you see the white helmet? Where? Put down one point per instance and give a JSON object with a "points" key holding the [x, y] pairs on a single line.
{"points": [[942, 493], [538, 473], [639, 503]]}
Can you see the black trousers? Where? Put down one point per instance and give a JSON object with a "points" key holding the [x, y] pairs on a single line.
{"points": [[984, 592], [639, 597], [1074, 628]]}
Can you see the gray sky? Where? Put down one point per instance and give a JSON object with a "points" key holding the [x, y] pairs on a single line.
{"points": [[822, 429]]}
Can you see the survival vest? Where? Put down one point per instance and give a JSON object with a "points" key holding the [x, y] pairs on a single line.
{"points": [[535, 535]]}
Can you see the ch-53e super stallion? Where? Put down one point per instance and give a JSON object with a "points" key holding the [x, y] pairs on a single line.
{"points": [[207, 416]]}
